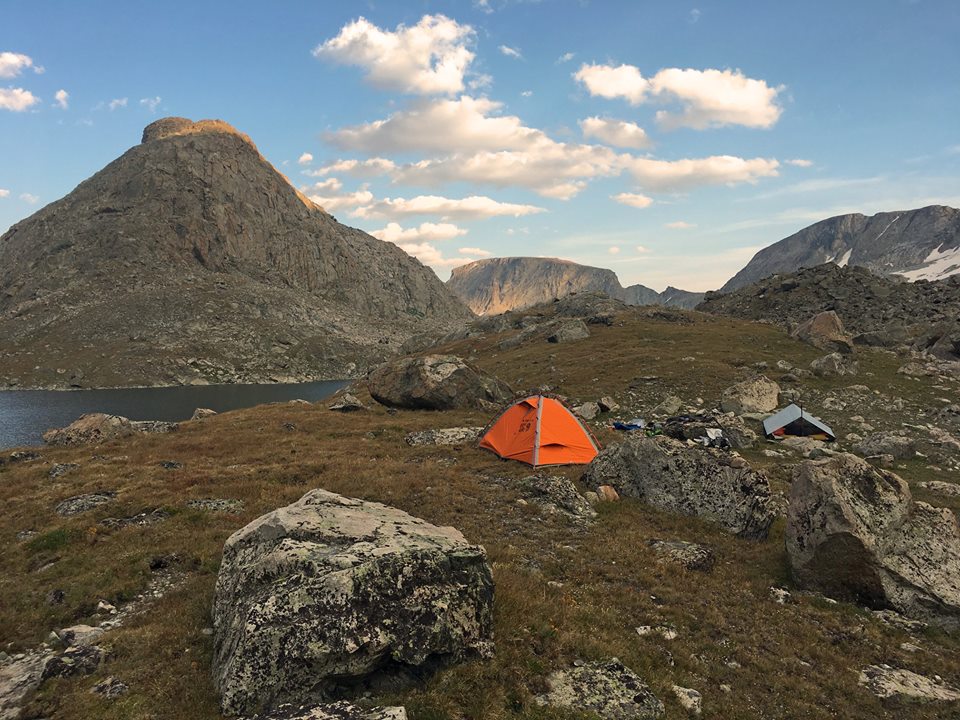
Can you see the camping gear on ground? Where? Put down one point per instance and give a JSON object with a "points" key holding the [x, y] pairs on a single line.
{"points": [[795, 421], [703, 429], [630, 425], [540, 430]]}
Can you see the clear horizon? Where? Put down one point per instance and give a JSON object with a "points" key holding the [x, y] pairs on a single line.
{"points": [[666, 142]]}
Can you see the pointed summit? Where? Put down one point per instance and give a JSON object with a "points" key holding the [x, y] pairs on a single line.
{"points": [[191, 259]]}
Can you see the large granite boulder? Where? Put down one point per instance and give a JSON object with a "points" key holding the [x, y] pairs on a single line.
{"points": [[888, 442], [854, 533], [435, 382], [834, 364], [759, 394], [697, 481], [569, 330], [825, 331], [322, 598], [90, 428]]}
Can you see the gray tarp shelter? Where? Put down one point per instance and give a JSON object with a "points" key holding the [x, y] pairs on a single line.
{"points": [[794, 420]]}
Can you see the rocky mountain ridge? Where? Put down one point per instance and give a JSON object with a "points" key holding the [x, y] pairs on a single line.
{"points": [[498, 285], [877, 310], [921, 244], [190, 259]]}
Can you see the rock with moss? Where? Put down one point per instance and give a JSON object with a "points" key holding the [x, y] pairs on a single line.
{"points": [[436, 382], [322, 598], [855, 533], [702, 482], [341, 710], [606, 687]]}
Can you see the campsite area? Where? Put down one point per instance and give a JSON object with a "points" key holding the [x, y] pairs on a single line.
{"points": [[566, 589]]}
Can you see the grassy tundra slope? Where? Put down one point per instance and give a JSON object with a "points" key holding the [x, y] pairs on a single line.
{"points": [[563, 591]]}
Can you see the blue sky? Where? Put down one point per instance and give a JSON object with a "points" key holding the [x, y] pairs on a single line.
{"points": [[668, 141]]}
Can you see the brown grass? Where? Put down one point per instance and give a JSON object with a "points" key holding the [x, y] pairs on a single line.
{"points": [[799, 660]]}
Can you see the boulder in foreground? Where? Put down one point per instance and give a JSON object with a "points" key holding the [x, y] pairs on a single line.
{"points": [[695, 481], [436, 382], [855, 533], [756, 395], [606, 687], [90, 428], [324, 597]]}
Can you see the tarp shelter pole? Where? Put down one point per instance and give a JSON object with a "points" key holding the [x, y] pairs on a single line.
{"points": [[536, 432]]}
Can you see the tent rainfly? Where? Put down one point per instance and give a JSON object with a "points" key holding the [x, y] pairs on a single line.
{"points": [[540, 431], [792, 420]]}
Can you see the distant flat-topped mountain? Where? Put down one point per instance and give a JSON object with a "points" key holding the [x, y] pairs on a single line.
{"points": [[919, 244], [190, 259], [498, 285]]}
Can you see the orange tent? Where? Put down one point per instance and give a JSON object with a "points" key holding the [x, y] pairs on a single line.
{"points": [[540, 431]]}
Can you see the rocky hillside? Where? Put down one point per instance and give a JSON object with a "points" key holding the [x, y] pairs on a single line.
{"points": [[919, 244], [498, 285], [191, 259], [878, 310], [378, 558]]}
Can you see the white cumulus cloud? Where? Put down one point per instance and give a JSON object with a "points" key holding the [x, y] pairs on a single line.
{"points": [[370, 167], [151, 104], [624, 81], [566, 57], [427, 58], [474, 251], [800, 162], [305, 159], [680, 175], [633, 199], [613, 250], [4, 193], [510, 52], [12, 64], [17, 99], [707, 98], [615, 132], [29, 198], [63, 99], [425, 232], [328, 195], [117, 103], [460, 125], [473, 207]]}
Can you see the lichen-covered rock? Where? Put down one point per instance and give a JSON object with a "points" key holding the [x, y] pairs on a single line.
{"points": [[317, 598], [834, 364], [588, 410], [606, 687], [81, 503], [854, 532], [756, 395], [201, 413], [347, 403], [90, 428], [435, 382], [18, 679], [341, 710], [887, 682], [692, 556], [558, 494], [702, 482], [825, 331], [569, 330], [444, 436], [891, 442]]}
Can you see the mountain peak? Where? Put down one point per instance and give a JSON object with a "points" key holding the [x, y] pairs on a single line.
{"points": [[174, 126]]}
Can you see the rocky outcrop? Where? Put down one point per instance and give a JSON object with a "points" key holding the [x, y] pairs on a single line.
{"points": [[315, 599], [90, 429], [702, 482], [435, 382], [606, 688], [191, 259], [568, 331], [854, 532], [889, 682], [834, 364], [876, 311], [499, 285], [825, 331], [444, 436], [889, 442], [916, 243], [755, 395], [341, 710]]}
